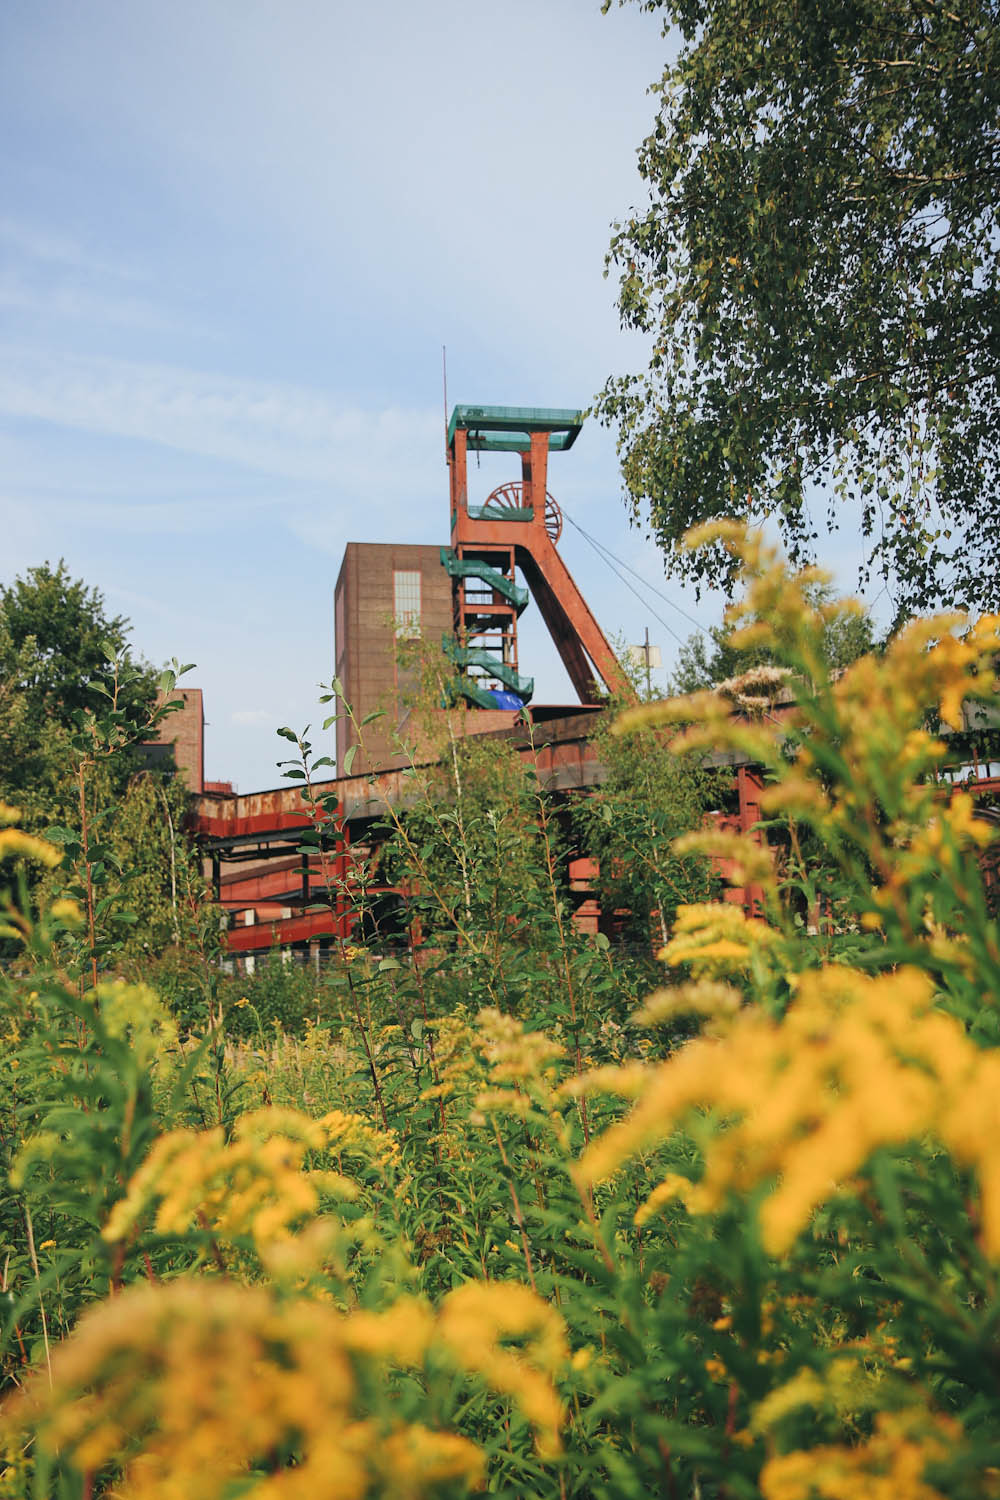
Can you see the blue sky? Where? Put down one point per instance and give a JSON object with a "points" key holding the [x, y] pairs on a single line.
{"points": [[233, 238]]}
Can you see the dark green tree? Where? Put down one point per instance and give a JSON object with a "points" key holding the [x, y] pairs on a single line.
{"points": [[67, 640], [817, 270], [649, 797], [75, 706], [57, 645], [706, 660]]}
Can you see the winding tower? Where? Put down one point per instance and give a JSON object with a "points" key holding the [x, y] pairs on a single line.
{"points": [[516, 529]]}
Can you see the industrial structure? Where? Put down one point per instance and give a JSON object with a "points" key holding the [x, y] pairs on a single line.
{"points": [[180, 741], [387, 594], [463, 601], [461, 604], [516, 529]]}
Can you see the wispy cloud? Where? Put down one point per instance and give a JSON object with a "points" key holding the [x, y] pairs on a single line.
{"points": [[293, 432], [256, 718], [56, 301], [37, 242]]}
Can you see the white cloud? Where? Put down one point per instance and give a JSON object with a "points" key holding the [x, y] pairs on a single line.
{"points": [[283, 430], [54, 301], [257, 718], [38, 242]]}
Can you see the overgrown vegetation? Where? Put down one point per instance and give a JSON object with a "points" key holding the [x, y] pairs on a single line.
{"points": [[503, 1219], [76, 710]]}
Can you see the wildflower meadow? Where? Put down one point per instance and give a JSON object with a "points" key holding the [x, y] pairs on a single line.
{"points": [[524, 1213]]}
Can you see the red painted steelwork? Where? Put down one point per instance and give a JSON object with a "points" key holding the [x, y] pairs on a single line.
{"points": [[285, 931], [282, 881], [573, 628], [259, 827], [564, 760]]}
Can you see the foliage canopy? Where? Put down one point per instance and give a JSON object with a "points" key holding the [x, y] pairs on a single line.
{"points": [[76, 705], [60, 643], [705, 661], [817, 269]]}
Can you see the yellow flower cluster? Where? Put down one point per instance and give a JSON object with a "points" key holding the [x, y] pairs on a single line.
{"points": [[866, 726], [253, 1186], [716, 936], [135, 1013], [844, 1387], [351, 1135], [513, 1053], [192, 1385], [522, 1064], [476, 1318], [458, 1068], [711, 998], [751, 863], [802, 1102], [673, 1186], [889, 1466], [14, 842], [67, 911]]}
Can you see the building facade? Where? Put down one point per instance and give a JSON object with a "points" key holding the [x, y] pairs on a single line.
{"points": [[388, 596], [180, 741]]}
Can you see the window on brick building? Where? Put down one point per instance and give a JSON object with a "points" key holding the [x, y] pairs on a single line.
{"points": [[406, 604]]}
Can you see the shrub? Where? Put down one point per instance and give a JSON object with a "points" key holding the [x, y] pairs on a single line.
{"points": [[417, 1252]]}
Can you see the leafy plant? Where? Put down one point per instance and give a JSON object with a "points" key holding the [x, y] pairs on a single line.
{"points": [[816, 269], [742, 1247]]}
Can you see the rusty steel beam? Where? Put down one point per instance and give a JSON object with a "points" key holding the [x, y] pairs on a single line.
{"points": [[272, 886], [563, 759], [280, 932]]}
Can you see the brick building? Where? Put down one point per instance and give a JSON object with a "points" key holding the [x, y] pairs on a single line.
{"points": [[182, 739], [387, 593]]}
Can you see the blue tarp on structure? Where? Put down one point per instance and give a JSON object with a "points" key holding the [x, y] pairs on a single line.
{"points": [[504, 699]]}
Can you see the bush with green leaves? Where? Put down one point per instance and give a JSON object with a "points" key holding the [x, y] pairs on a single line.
{"points": [[743, 1248]]}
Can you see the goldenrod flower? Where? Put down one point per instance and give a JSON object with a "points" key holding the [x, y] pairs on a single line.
{"points": [[255, 1185], [13, 842], [716, 936], [136, 1012], [473, 1320], [184, 1384], [66, 911], [856, 1063], [672, 1187], [889, 1466]]}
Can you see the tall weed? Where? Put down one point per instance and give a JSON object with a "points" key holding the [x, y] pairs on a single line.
{"points": [[470, 1230]]}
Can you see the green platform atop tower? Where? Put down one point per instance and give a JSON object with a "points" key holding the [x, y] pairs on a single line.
{"points": [[508, 429]]}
